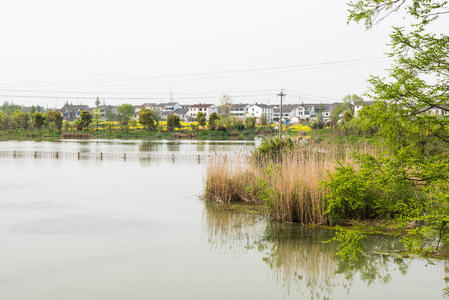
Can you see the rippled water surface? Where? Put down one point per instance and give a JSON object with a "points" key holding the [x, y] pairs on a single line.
{"points": [[136, 229]]}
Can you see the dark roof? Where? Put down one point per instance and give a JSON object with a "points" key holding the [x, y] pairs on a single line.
{"points": [[75, 107], [261, 105], [181, 111], [239, 105], [201, 105]]}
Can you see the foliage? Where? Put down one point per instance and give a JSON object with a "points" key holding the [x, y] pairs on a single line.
{"points": [[54, 119], [336, 112], [201, 118], [375, 189], [274, 148], [84, 120], [317, 124], [20, 119], [225, 106], [173, 122], [351, 100], [264, 120], [350, 246], [5, 122], [409, 179], [250, 122], [347, 116], [124, 114], [230, 123], [146, 118], [37, 120], [213, 118], [9, 108]]}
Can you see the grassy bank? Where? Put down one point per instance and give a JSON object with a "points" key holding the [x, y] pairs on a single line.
{"points": [[134, 134]]}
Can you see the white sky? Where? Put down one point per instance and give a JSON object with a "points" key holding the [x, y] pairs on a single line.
{"points": [[77, 50]]}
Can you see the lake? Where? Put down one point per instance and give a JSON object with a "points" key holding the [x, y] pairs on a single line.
{"points": [[136, 228]]}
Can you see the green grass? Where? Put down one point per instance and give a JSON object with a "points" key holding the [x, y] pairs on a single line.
{"points": [[131, 134]]}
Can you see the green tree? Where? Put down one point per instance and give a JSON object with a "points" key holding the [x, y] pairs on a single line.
{"points": [[84, 120], [9, 108], [97, 115], [416, 141], [213, 118], [20, 119], [97, 102], [347, 116], [5, 121], [336, 112], [251, 122], [38, 120], [125, 113], [414, 160], [146, 118], [263, 120], [225, 106], [54, 120], [201, 118], [351, 100], [173, 122]]}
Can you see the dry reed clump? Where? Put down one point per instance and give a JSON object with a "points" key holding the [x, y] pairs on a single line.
{"points": [[290, 188]]}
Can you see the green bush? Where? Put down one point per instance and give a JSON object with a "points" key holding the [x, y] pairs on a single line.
{"points": [[274, 148], [375, 189]]}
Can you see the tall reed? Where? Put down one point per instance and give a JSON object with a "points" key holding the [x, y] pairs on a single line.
{"points": [[289, 186]]}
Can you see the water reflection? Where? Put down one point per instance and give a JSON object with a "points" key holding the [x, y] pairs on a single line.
{"points": [[296, 256], [149, 147]]}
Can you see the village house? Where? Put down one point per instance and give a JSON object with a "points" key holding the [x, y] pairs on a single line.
{"points": [[206, 109], [259, 110], [239, 110], [287, 112], [71, 112]]}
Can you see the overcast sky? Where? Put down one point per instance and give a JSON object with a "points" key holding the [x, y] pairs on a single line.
{"points": [[118, 50]]}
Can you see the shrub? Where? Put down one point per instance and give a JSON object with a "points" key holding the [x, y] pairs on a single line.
{"points": [[273, 148], [369, 191], [173, 122]]}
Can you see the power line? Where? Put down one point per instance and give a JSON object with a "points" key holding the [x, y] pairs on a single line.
{"points": [[214, 74], [121, 98]]}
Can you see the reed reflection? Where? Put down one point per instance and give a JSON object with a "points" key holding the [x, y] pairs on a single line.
{"points": [[296, 255]]}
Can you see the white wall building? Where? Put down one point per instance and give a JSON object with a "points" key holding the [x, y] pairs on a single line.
{"points": [[258, 110], [239, 110], [206, 109]]}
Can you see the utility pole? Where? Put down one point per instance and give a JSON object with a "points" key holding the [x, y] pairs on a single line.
{"points": [[281, 94]]}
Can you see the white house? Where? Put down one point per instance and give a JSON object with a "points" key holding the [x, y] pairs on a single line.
{"points": [[258, 110], [206, 109], [304, 112], [239, 110], [288, 112]]}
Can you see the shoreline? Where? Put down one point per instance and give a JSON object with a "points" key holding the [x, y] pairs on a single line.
{"points": [[126, 135]]}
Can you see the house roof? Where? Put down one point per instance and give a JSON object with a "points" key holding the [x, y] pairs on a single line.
{"points": [[181, 111], [201, 105], [239, 106], [261, 105], [75, 107]]}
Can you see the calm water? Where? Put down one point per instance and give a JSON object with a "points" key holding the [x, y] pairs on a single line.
{"points": [[114, 229]]}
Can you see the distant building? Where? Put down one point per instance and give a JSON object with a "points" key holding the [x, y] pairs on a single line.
{"points": [[239, 110], [206, 109], [106, 112], [259, 110], [71, 112], [288, 111], [182, 114]]}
